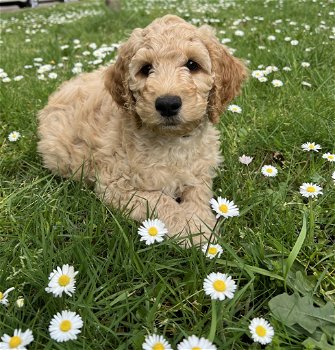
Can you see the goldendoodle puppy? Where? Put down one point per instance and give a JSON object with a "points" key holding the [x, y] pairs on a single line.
{"points": [[142, 129]]}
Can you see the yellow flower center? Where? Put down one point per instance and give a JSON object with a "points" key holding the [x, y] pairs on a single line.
{"points": [[1, 295], [14, 342], [223, 208], [64, 280], [152, 231], [158, 346], [331, 157], [261, 331], [219, 286], [212, 250], [269, 170], [196, 348], [310, 189], [65, 326], [311, 146]]}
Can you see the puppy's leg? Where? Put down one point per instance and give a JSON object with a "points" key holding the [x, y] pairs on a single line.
{"points": [[144, 204], [195, 202]]}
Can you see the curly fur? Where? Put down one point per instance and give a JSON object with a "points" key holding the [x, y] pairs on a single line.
{"points": [[104, 125]]}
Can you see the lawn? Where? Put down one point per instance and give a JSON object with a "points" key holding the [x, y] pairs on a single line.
{"points": [[279, 250]]}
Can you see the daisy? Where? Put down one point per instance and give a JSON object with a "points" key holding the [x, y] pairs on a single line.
{"points": [[18, 341], [310, 190], [65, 326], [212, 250], [277, 83], [330, 157], [269, 171], [52, 75], [239, 32], [18, 78], [245, 159], [294, 42], [193, 342], [219, 286], [155, 342], [310, 146], [14, 136], [20, 302], [224, 207], [152, 231], [261, 331], [305, 64], [234, 109], [3, 296], [257, 74], [263, 79], [62, 280]]}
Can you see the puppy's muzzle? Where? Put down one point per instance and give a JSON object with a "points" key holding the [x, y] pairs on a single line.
{"points": [[168, 105]]}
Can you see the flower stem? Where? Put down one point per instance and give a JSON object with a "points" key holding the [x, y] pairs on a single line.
{"points": [[213, 322], [311, 222]]}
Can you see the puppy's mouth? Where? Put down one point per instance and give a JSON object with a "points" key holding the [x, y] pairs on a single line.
{"points": [[170, 121]]}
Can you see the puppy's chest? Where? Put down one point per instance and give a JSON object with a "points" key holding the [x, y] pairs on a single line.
{"points": [[170, 169]]}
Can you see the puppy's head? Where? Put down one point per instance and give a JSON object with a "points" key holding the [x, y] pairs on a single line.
{"points": [[172, 76]]}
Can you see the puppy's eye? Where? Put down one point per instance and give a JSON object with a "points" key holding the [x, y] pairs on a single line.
{"points": [[192, 65], [146, 70]]}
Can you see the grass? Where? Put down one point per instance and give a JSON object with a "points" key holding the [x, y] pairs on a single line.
{"points": [[281, 243]]}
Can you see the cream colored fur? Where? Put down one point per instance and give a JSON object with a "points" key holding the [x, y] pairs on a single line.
{"points": [[104, 125]]}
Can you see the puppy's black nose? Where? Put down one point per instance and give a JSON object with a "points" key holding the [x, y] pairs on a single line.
{"points": [[168, 105]]}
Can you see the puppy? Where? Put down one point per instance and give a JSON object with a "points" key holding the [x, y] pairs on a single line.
{"points": [[142, 129]]}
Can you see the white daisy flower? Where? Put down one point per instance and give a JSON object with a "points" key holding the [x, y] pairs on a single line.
{"points": [[14, 136], [263, 79], [234, 109], [193, 342], [271, 37], [257, 73], [329, 156], [269, 170], [239, 32], [62, 280], [245, 159], [224, 207], [155, 342], [212, 250], [52, 75], [219, 286], [310, 146], [4, 295], [18, 78], [152, 231], [18, 341], [6, 80], [261, 331], [20, 302], [270, 69], [65, 326], [277, 83], [294, 42], [305, 64], [287, 69], [310, 190]]}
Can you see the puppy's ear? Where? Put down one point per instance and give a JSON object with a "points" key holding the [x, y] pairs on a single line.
{"points": [[229, 73], [117, 75]]}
